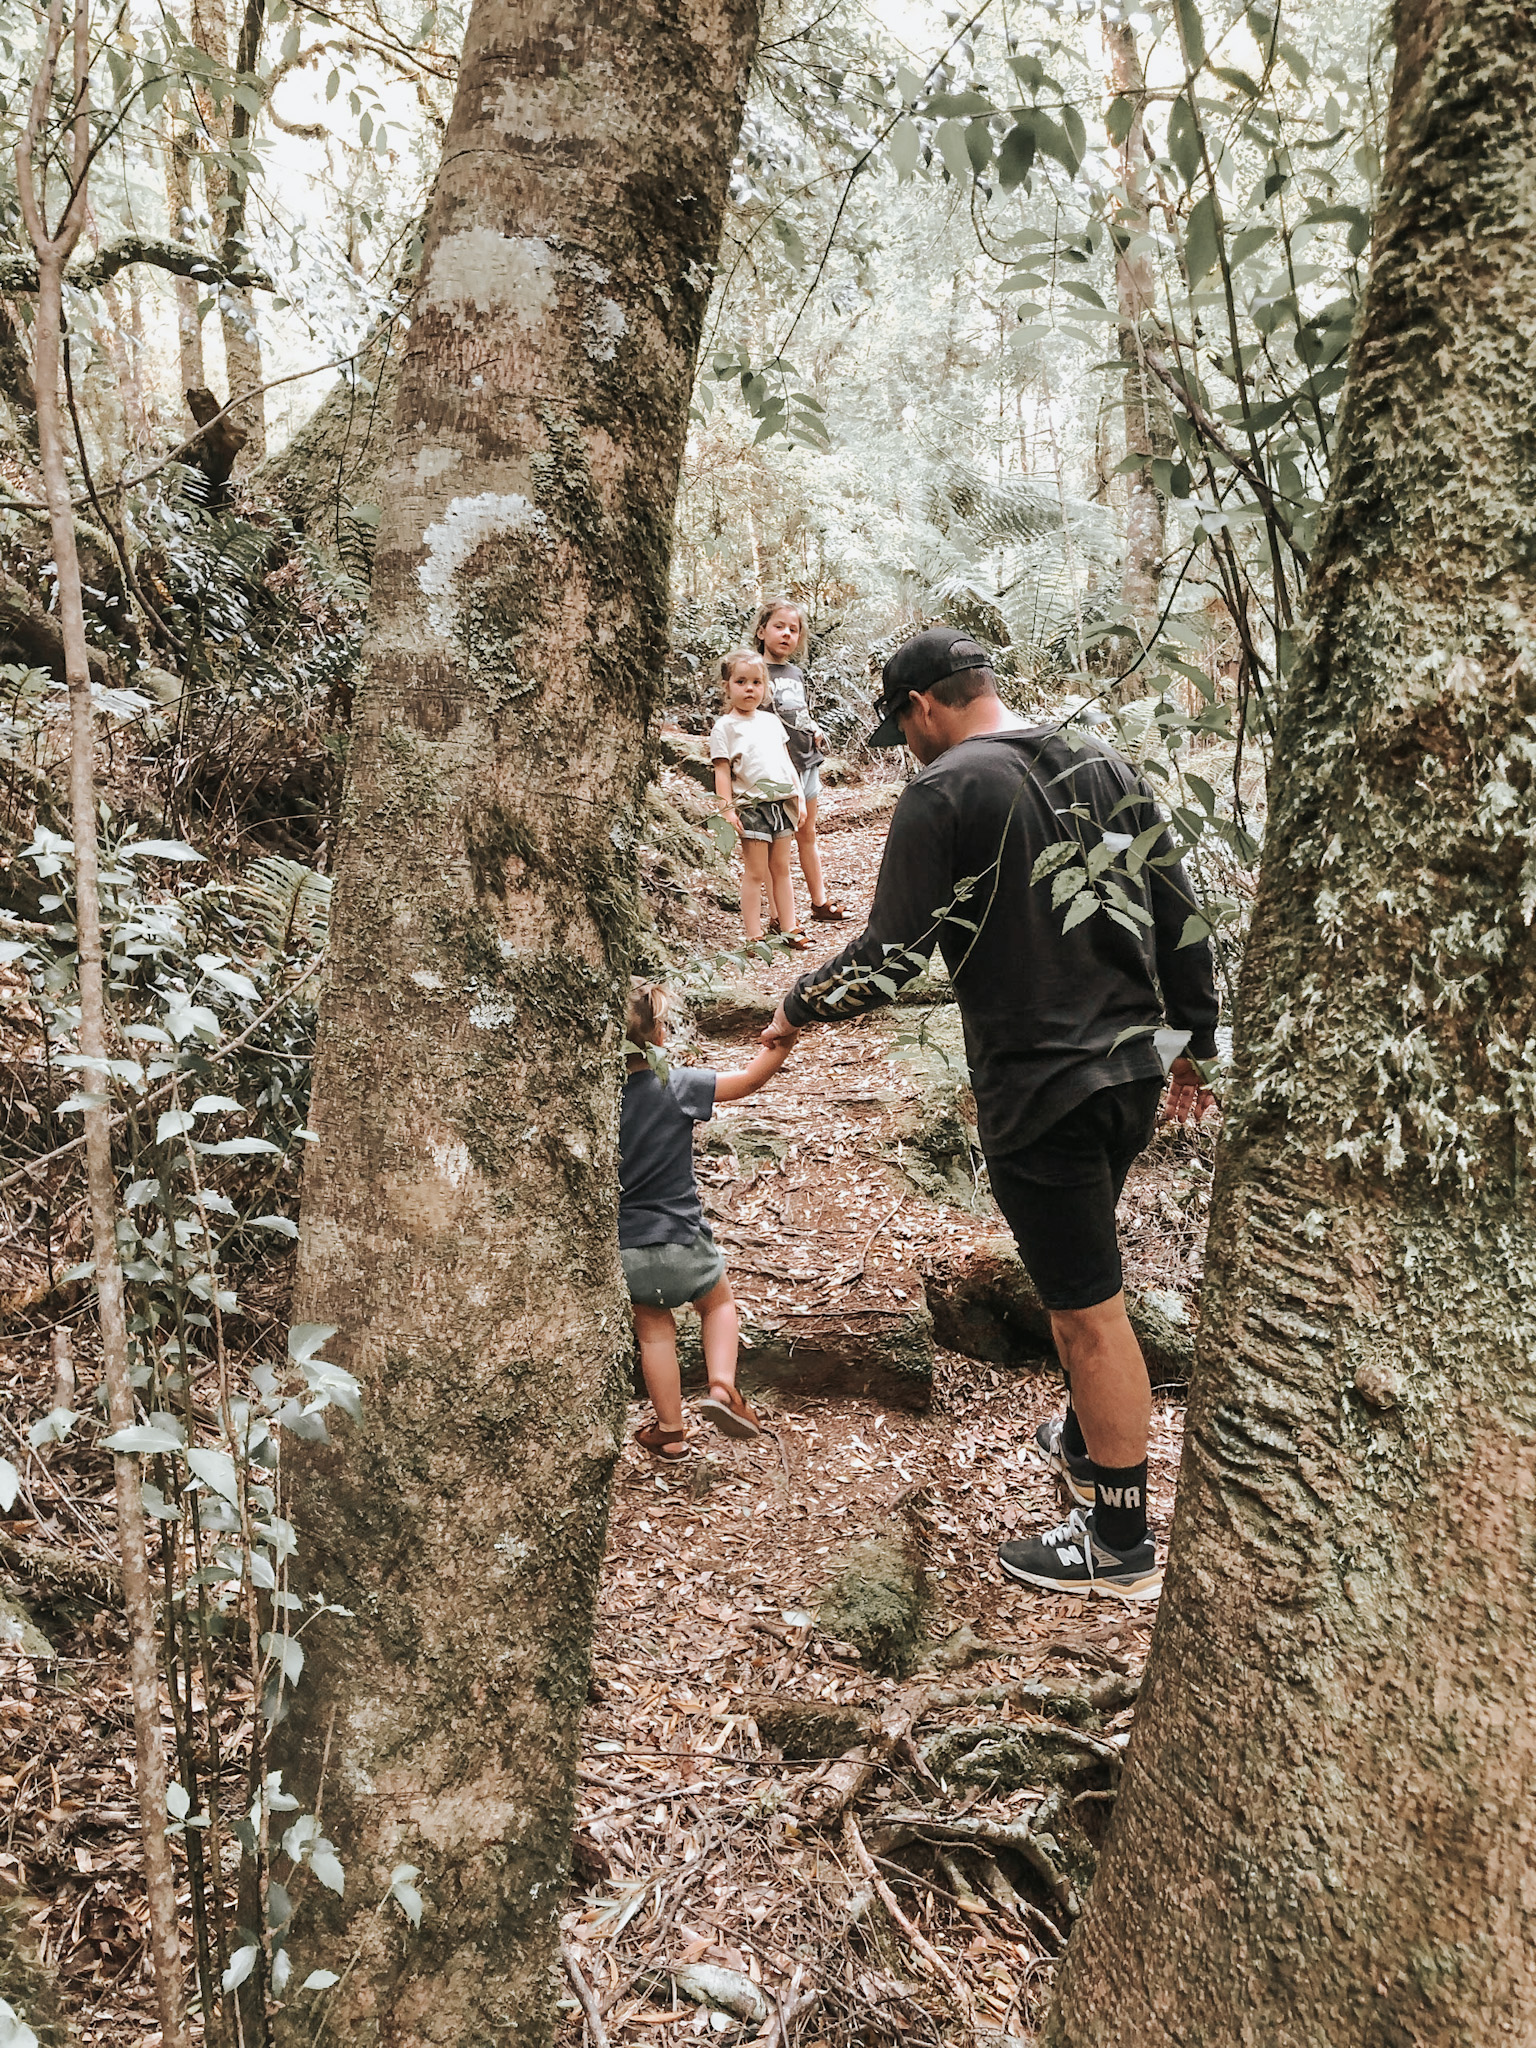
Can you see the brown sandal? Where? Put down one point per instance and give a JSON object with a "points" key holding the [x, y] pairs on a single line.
{"points": [[729, 1413], [828, 913], [795, 940], [668, 1444]]}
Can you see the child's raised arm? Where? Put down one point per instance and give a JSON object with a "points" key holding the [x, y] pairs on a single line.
{"points": [[747, 1081]]}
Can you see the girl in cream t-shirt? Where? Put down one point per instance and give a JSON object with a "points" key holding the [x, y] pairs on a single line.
{"points": [[759, 791]]}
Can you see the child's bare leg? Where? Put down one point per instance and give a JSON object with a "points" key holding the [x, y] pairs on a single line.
{"points": [[720, 1327], [754, 854], [781, 889], [810, 849], [656, 1329]]}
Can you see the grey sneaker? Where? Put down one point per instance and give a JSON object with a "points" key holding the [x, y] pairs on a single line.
{"points": [[1075, 1473], [1071, 1559]]}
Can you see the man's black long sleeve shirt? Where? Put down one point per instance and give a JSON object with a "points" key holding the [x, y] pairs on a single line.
{"points": [[1050, 1016]]}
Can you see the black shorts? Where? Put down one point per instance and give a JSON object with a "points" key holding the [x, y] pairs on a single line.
{"points": [[1058, 1193]]}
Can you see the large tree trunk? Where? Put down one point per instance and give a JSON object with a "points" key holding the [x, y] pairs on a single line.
{"points": [[1324, 1832], [460, 1206]]}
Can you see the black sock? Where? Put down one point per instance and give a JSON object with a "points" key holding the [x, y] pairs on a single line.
{"points": [[1072, 1439], [1120, 1516]]}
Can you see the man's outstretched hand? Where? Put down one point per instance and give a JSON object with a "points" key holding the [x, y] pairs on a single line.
{"points": [[780, 1032], [1188, 1095]]}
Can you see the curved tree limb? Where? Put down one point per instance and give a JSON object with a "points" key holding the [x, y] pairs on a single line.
{"points": [[18, 276]]}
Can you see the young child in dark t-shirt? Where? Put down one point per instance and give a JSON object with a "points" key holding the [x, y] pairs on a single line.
{"points": [[668, 1253]]}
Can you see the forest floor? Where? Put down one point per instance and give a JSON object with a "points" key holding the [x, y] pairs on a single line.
{"points": [[713, 1860], [691, 1851]]}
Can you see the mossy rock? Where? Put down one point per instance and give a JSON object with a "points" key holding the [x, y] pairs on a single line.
{"points": [[756, 1145], [937, 1148], [986, 1307], [18, 1631], [877, 1601], [26, 1985], [890, 1362], [737, 1010], [688, 756], [808, 1729]]}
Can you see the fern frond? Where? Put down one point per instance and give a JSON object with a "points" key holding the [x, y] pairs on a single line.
{"points": [[288, 902]]}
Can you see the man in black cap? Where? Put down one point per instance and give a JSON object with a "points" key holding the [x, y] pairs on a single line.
{"points": [[1040, 864]]}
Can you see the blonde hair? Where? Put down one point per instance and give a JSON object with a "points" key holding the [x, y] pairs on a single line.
{"points": [[645, 1012], [766, 611], [741, 657]]}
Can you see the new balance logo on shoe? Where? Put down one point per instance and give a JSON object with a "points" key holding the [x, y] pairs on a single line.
{"points": [[1120, 1496]]}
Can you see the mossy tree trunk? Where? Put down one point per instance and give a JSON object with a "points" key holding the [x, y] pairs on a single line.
{"points": [[460, 1204], [1324, 1831]]}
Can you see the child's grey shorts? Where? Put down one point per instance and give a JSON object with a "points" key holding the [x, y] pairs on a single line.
{"points": [[766, 821], [667, 1275]]}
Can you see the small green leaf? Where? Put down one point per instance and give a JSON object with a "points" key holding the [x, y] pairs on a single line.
{"points": [[216, 1469], [906, 146], [1087, 903], [320, 1980], [10, 1485], [1191, 32], [305, 1339], [1202, 244], [241, 1964], [951, 144], [978, 145], [1195, 929], [1183, 139], [1120, 119], [157, 849], [1017, 153], [283, 1225], [146, 1438]]}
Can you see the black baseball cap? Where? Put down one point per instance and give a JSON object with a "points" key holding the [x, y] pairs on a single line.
{"points": [[918, 665]]}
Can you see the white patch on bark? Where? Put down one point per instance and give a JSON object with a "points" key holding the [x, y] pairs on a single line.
{"points": [[450, 541], [607, 327], [435, 462], [514, 1549], [424, 978], [451, 1161], [479, 268], [493, 1011]]}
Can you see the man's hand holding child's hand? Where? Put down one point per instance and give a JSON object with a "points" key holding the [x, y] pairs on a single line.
{"points": [[780, 1035]]}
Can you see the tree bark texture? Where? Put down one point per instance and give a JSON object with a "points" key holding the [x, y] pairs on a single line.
{"points": [[180, 148], [1147, 428], [228, 127], [1324, 1834], [460, 1203]]}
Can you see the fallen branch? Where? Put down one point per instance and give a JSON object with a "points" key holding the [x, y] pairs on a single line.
{"points": [[854, 1842], [39, 635], [585, 1995], [75, 1575], [838, 1784], [777, 2035]]}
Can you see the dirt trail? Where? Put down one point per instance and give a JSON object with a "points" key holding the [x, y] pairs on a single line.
{"points": [[714, 1568]]}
